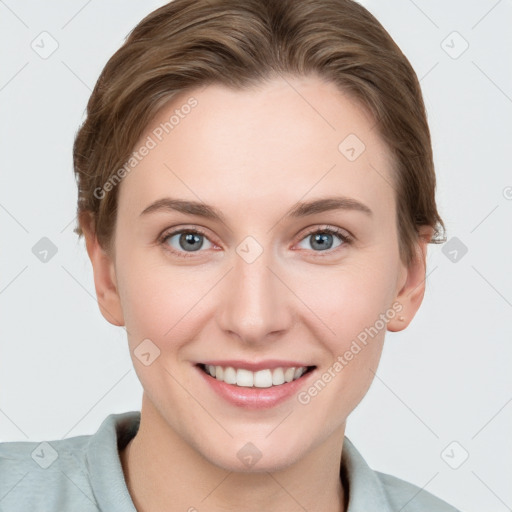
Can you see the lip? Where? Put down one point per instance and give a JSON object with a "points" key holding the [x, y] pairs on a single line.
{"points": [[255, 398], [254, 367]]}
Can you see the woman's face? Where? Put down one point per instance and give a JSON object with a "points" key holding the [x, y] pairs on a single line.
{"points": [[255, 287]]}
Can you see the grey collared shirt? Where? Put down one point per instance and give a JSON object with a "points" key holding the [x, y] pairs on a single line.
{"points": [[84, 474]]}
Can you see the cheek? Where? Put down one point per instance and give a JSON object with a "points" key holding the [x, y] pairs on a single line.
{"points": [[161, 302], [352, 306], [349, 299]]}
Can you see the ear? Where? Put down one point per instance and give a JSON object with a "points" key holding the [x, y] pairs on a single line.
{"points": [[412, 283], [104, 273]]}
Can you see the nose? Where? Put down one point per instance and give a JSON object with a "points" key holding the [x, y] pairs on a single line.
{"points": [[255, 304]]}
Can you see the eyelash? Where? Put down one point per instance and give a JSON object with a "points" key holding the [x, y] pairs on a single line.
{"points": [[346, 239]]}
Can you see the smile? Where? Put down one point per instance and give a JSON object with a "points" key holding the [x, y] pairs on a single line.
{"points": [[264, 378]]}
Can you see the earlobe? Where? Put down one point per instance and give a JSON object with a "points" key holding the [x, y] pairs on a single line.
{"points": [[104, 273], [412, 287]]}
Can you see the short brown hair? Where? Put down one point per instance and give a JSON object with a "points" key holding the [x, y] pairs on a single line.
{"points": [[237, 43]]}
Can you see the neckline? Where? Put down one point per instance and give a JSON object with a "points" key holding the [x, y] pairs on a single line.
{"points": [[362, 487]]}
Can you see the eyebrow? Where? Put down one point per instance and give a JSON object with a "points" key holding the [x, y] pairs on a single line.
{"points": [[302, 209]]}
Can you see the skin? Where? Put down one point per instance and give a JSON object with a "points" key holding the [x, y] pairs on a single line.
{"points": [[253, 154]]}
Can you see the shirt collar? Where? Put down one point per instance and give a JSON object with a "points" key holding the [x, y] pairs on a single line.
{"points": [[104, 463], [365, 491]]}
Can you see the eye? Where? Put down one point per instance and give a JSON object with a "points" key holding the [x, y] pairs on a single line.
{"points": [[321, 239], [184, 241]]}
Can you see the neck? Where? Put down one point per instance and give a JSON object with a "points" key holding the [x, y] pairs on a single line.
{"points": [[164, 472]]}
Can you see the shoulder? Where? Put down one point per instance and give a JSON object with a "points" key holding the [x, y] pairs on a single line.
{"points": [[77, 473], [410, 497], [47, 472]]}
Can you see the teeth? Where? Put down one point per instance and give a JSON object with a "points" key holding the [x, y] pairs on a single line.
{"points": [[260, 379], [263, 379], [230, 375], [299, 372], [277, 377], [289, 374], [244, 378]]}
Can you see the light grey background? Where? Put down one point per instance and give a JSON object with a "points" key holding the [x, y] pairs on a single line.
{"points": [[446, 378]]}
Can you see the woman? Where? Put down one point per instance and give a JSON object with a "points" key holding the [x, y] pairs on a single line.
{"points": [[256, 193]]}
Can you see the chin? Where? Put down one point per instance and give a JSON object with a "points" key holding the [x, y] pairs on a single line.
{"points": [[245, 456]]}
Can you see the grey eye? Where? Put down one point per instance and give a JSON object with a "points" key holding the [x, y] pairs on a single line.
{"points": [[188, 241], [322, 240]]}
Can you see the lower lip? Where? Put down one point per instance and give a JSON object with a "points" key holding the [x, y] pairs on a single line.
{"points": [[255, 398]]}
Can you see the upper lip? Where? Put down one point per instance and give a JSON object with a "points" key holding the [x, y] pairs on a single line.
{"points": [[255, 366]]}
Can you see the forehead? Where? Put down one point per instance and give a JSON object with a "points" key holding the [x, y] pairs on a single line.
{"points": [[283, 140]]}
